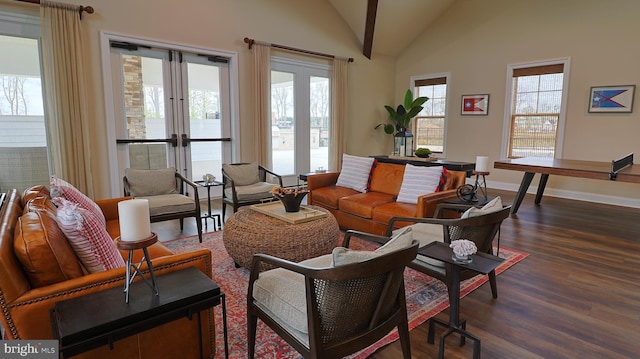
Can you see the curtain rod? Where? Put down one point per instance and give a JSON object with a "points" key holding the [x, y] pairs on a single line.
{"points": [[87, 9], [250, 42]]}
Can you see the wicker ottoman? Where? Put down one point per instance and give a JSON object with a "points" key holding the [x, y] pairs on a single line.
{"points": [[248, 232]]}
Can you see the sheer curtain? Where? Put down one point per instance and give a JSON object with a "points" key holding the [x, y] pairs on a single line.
{"points": [[65, 91], [338, 112], [262, 96]]}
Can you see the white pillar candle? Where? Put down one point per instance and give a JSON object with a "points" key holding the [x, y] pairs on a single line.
{"points": [[482, 164], [135, 224]]}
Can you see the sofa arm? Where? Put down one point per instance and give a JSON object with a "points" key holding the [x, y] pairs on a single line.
{"points": [[427, 203], [320, 180], [110, 207], [28, 316]]}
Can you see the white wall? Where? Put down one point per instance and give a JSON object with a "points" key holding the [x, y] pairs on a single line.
{"points": [[476, 40], [223, 24]]}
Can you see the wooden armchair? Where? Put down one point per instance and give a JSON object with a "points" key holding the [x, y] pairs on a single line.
{"points": [[481, 229], [166, 190], [245, 184], [332, 311]]}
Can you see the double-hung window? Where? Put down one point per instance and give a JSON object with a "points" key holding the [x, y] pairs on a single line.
{"points": [[430, 125], [536, 111]]}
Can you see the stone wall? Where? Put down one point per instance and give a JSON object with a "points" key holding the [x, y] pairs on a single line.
{"points": [[134, 96]]}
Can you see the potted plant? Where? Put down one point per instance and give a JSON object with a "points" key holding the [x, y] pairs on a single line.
{"points": [[400, 117]]}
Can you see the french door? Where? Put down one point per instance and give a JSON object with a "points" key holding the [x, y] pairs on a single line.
{"points": [[300, 107], [171, 109]]}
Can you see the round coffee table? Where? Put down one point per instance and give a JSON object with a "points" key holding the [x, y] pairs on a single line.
{"points": [[248, 232]]}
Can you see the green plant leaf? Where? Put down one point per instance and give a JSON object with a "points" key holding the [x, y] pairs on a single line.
{"points": [[388, 128]]}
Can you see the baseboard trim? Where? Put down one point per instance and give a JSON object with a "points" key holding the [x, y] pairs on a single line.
{"points": [[575, 195]]}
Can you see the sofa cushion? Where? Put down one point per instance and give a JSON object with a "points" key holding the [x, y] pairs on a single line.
{"points": [[64, 189], [387, 178], [418, 181], [88, 238], [34, 192], [355, 172], [242, 174], [151, 182], [169, 203], [329, 197], [383, 213], [43, 250], [362, 204], [41, 204]]}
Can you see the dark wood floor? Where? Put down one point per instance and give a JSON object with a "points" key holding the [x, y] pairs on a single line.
{"points": [[577, 295]]}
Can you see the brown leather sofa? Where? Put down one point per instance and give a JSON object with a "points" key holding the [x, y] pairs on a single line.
{"points": [[25, 308], [371, 211]]}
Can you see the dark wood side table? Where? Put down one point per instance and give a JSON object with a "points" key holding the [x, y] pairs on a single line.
{"points": [[482, 263], [214, 216], [184, 293]]}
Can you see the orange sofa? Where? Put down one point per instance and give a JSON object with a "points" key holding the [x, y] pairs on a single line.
{"points": [[372, 210], [25, 307]]}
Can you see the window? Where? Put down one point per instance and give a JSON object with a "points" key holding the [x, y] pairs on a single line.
{"points": [[23, 136], [536, 110], [300, 108], [430, 124]]}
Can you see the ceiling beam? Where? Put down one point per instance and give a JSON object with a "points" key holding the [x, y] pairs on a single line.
{"points": [[372, 9]]}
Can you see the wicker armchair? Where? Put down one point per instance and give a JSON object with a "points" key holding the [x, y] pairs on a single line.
{"points": [[245, 184], [166, 190], [480, 229], [339, 310]]}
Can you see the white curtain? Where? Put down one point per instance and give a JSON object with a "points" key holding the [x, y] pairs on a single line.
{"points": [[65, 92], [338, 113], [262, 96]]}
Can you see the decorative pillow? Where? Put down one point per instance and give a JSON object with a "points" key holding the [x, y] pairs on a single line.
{"points": [[62, 188], [443, 180], [343, 256], [88, 237], [151, 182], [373, 168], [43, 250], [242, 174], [493, 206], [355, 172], [401, 239], [418, 181]]}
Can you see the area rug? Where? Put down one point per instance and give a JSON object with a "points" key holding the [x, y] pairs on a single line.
{"points": [[425, 296]]}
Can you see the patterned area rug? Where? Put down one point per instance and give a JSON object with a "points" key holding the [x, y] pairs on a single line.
{"points": [[426, 297]]}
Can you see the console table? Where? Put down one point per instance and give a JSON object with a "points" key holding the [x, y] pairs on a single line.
{"points": [[621, 170], [482, 263], [467, 167], [183, 293]]}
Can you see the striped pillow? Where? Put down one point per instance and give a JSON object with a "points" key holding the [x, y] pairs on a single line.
{"points": [[418, 181], [355, 172], [88, 237], [64, 189]]}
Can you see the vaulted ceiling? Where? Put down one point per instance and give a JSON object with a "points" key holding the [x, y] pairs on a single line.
{"points": [[397, 22]]}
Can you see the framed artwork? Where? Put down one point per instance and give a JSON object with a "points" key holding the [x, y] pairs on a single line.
{"points": [[475, 105], [612, 98]]}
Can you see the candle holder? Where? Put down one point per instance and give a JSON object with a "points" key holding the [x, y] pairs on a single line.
{"points": [[134, 270], [481, 184]]}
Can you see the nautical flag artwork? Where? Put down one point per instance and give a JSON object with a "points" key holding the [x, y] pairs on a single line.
{"points": [[612, 99], [475, 105]]}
